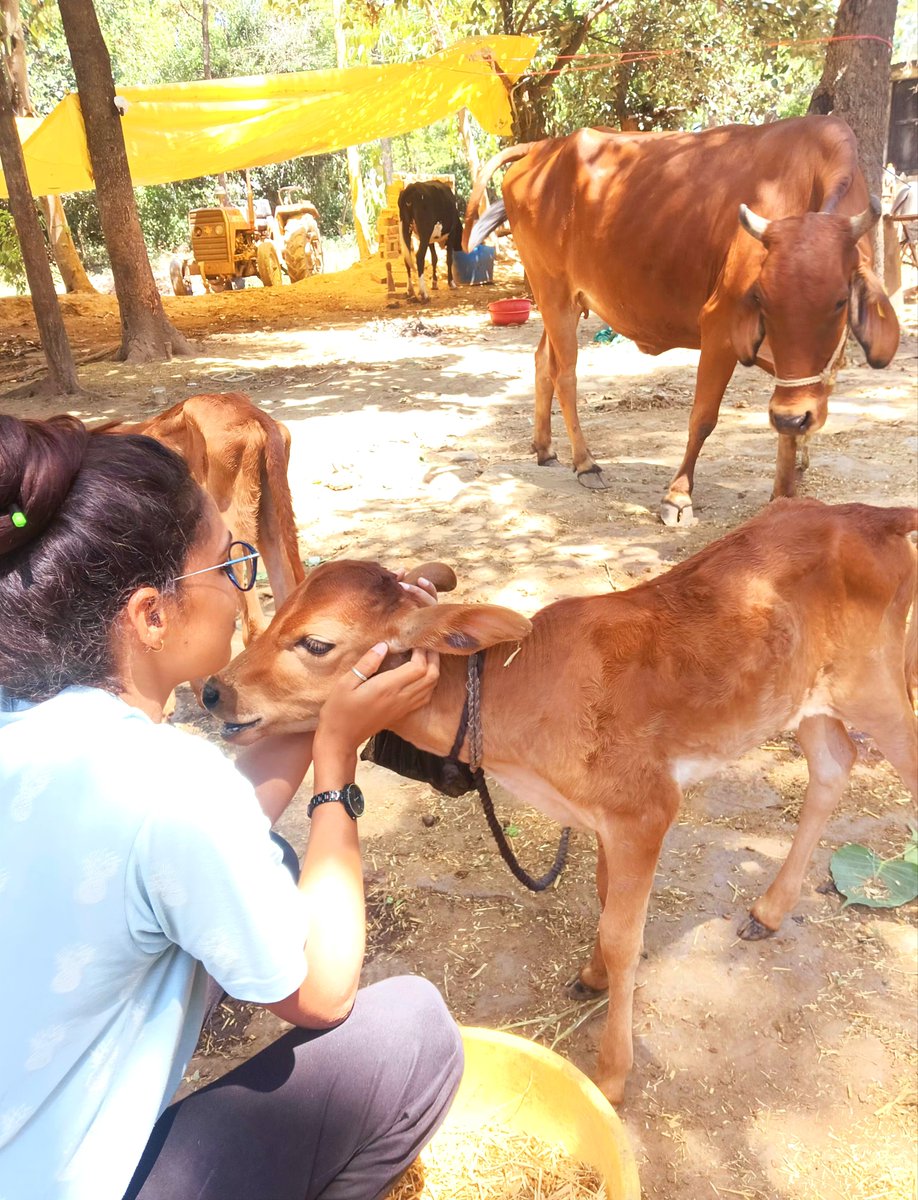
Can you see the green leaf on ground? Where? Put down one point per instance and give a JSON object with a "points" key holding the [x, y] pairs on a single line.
{"points": [[864, 878]]}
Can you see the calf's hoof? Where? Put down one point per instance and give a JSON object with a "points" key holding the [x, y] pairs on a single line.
{"points": [[578, 990], [592, 478], [547, 460], [612, 1088], [752, 930], [677, 512]]}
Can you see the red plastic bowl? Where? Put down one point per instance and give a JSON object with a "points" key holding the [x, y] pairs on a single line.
{"points": [[510, 312]]}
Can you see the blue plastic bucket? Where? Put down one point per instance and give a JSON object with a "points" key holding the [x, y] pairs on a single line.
{"points": [[477, 267]]}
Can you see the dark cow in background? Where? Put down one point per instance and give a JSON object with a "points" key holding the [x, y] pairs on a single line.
{"points": [[653, 233], [430, 211]]}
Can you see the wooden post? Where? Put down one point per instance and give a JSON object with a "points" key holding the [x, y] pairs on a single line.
{"points": [[892, 263]]}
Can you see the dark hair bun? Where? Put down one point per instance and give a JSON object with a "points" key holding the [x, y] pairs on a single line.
{"points": [[39, 461]]}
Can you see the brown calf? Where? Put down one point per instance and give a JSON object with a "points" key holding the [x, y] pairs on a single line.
{"points": [[239, 455], [614, 703]]}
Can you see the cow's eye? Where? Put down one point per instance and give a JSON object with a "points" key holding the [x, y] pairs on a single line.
{"points": [[315, 646], [840, 304]]}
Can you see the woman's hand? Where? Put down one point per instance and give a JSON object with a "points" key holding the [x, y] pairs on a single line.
{"points": [[356, 710]]}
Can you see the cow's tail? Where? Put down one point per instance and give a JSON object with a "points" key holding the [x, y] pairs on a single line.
{"points": [[496, 213], [276, 522]]}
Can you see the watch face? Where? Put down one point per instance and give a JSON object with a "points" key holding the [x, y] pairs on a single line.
{"points": [[353, 800]]}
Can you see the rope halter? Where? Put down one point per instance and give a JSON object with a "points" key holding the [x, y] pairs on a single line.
{"points": [[827, 376]]}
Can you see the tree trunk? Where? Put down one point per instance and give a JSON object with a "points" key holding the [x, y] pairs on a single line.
{"points": [[146, 334], [358, 205], [73, 273], [51, 331], [528, 103], [855, 83], [59, 235]]}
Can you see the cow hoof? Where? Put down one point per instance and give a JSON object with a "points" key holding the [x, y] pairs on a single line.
{"points": [[753, 930], [551, 461], [592, 478], [672, 513], [578, 990]]}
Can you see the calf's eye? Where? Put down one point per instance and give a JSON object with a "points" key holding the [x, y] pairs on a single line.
{"points": [[314, 646]]}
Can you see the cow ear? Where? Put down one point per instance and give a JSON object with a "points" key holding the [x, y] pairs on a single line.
{"points": [[872, 318], [748, 330], [458, 628]]}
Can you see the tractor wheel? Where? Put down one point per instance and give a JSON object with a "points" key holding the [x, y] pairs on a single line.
{"points": [[268, 265], [180, 283], [298, 248]]}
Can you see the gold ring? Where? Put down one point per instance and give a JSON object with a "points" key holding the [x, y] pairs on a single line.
{"points": [[360, 675]]}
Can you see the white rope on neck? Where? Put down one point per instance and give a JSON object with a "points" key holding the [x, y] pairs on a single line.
{"points": [[825, 376]]}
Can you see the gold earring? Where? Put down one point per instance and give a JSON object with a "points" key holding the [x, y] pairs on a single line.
{"points": [[156, 649]]}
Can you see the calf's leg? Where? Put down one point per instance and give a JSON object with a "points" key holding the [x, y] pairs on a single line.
{"points": [[593, 978], [830, 755], [632, 842]]}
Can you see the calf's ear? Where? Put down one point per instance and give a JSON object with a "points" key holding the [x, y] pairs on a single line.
{"points": [[459, 628], [872, 317], [748, 330]]}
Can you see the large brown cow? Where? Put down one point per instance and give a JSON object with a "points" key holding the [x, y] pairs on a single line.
{"points": [[239, 455], [614, 703], [653, 232]]}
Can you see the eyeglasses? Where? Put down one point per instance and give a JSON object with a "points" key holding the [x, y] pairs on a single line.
{"points": [[241, 566]]}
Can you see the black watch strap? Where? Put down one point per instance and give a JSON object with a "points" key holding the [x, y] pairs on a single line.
{"points": [[350, 796]]}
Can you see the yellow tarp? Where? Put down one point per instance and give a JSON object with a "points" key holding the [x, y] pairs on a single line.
{"points": [[182, 130]]}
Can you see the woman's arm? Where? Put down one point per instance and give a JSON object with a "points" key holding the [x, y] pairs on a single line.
{"points": [[276, 766], [332, 874]]}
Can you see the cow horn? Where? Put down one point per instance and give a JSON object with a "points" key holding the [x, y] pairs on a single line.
{"points": [[866, 219], [753, 224]]}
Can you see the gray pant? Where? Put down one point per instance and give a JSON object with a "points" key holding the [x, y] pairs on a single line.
{"points": [[329, 1115]]}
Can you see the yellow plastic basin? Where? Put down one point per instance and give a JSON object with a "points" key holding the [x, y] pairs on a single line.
{"points": [[511, 1081]]}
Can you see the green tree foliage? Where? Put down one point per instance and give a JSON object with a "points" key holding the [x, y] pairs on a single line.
{"points": [[668, 65], [12, 270], [160, 41]]}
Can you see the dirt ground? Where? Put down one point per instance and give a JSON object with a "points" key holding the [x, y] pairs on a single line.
{"points": [[776, 1070]]}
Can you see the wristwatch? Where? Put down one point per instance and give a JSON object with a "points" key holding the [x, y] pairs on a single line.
{"points": [[350, 796]]}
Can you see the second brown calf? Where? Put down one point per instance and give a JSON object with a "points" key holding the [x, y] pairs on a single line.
{"points": [[614, 703], [239, 455]]}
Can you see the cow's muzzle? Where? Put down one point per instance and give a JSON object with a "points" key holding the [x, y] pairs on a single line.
{"points": [[791, 423], [211, 698]]}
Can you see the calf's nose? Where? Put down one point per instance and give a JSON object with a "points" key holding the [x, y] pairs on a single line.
{"points": [[792, 422], [210, 694]]}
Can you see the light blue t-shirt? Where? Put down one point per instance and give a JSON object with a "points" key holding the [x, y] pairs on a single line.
{"points": [[130, 854]]}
